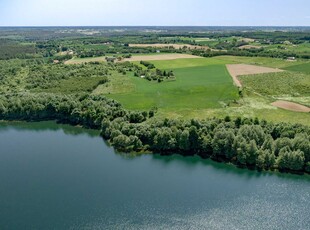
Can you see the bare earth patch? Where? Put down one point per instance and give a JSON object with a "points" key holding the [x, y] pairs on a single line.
{"points": [[236, 70], [175, 46], [160, 57], [85, 60], [246, 47], [248, 40], [291, 106]]}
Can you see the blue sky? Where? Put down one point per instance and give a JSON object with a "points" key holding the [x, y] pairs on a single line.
{"points": [[155, 12]]}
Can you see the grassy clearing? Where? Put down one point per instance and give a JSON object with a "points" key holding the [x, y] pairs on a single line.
{"points": [[117, 84], [250, 107]]}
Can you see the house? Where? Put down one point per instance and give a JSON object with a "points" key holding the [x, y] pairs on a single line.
{"points": [[291, 59]]}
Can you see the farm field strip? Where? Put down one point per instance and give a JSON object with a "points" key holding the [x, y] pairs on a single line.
{"points": [[302, 68], [175, 46], [200, 83], [160, 57], [135, 58], [236, 70]]}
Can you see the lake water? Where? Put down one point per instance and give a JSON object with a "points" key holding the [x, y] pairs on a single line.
{"points": [[61, 177]]}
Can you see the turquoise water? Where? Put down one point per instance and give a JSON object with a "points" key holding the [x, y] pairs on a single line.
{"points": [[61, 177]]}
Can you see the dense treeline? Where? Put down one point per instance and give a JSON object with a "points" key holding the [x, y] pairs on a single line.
{"points": [[244, 142], [10, 49], [79, 109], [251, 53]]}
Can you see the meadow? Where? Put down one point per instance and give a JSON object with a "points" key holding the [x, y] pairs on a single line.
{"points": [[199, 84]]}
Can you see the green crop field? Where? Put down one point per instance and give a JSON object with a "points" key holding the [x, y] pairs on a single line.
{"points": [[185, 63], [261, 61], [195, 87], [303, 68], [282, 83]]}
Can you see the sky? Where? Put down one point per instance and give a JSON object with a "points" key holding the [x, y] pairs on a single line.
{"points": [[154, 12]]}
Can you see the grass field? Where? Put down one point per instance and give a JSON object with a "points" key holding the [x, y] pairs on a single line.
{"points": [[303, 68], [136, 57], [196, 87], [185, 63]]}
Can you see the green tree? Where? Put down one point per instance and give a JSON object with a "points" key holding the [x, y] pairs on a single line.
{"points": [[280, 143], [222, 143], [184, 143], [252, 152], [290, 160], [194, 139]]}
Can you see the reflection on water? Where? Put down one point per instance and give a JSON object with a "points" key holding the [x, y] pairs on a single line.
{"points": [[47, 126], [61, 177], [223, 167]]}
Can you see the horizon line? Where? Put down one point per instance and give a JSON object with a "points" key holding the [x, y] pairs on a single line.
{"points": [[2, 26]]}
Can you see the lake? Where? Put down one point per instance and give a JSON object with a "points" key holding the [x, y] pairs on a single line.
{"points": [[61, 177]]}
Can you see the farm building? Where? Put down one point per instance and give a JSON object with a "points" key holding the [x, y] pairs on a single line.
{"points": [[291, 59]]}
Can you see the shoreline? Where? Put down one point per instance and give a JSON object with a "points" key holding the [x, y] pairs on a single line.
{"points": [[202, 156]]}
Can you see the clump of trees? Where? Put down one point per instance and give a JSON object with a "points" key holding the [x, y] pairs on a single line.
{"points": [[152, 73], [148, 65]]}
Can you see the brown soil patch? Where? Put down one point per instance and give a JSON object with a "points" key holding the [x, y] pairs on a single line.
{"points": [[175, 46], [247, 47], [248, 40], [157, 57], [160, 57], [291, 106], [236, 70], [85, 60]]}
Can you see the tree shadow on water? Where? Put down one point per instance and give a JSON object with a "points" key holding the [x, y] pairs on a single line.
{"points": [[47, 126]]}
